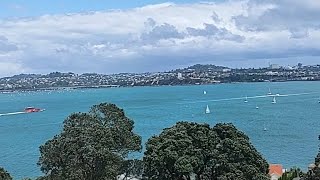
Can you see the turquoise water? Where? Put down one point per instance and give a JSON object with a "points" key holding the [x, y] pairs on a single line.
{"points": [[292, 124]]}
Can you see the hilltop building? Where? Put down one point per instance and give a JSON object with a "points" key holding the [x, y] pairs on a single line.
{"points": [[274, 66], [226, 70]]}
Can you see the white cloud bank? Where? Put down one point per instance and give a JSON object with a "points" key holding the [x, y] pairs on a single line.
{"points": [[163, 36]]}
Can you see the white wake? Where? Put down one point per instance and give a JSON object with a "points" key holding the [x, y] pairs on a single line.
{"points": [[12, 113]]}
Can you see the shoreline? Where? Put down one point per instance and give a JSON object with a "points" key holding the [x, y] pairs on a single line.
{"points": [[119, 86]]}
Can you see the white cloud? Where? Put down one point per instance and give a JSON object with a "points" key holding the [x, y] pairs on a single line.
{"points": [[9, 68], [279, 15], [6, 46], [161, 36]]}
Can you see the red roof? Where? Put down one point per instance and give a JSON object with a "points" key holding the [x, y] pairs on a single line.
{"points": [[275, 169]]}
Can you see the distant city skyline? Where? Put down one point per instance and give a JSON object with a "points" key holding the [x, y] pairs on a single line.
{"points": [[149, 36]]}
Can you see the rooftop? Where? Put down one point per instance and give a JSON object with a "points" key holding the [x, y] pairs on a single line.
{"points": [[275, 169]]}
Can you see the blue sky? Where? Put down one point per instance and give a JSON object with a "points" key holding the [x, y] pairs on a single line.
{"points": [[25, 8], [149, 36]]}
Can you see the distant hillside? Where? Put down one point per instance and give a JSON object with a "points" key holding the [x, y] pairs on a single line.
{"points": [[21, 76], [202, 68], [196, 74]]}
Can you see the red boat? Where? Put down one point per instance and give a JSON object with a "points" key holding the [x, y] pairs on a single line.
{"points": [[32, 109]]}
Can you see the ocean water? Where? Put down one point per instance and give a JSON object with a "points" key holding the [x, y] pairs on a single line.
{"points": [[292, 123]]}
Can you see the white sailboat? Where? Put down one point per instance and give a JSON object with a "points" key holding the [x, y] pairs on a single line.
{"points": [[257, 107], [207, 110], [274, 101], [204, 92], [269, 93], [246, 100]]}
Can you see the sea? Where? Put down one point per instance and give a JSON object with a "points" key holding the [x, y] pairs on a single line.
{"points": [[285, 132]]}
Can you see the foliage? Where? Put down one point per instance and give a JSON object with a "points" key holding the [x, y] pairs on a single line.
{"points": [[132, 168], [191, 149], [314, 173], [4, 175], [91, 145], [291, 174], [203, 68]]}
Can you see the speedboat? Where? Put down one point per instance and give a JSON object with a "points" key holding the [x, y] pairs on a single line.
{"points": [[32, 109]]}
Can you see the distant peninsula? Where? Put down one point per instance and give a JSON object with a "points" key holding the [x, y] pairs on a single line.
{"points": [[193, 75]]}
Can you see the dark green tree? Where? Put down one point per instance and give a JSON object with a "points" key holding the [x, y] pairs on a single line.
{"points": [[132, 168], [291, 174], [191, 149], [314, 173], [4, 175], [91, 146]]}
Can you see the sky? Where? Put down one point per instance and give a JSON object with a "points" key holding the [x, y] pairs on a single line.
{"points": [[42, 36], [27, 8]]}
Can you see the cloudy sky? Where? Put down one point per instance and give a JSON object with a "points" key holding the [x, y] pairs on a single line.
{"points": [[41, 36]]}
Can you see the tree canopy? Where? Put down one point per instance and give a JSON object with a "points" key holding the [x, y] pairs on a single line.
{"points": [[314, 172], [190, 149], [91, 145], [4, 175], [292, 174]]}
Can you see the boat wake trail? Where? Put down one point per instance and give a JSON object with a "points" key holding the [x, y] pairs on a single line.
{"points": [[13, 113], [248, 97], [300, 94]]}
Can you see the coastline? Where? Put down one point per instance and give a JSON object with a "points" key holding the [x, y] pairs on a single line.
{"points": [[59, 88], [119, 86]]}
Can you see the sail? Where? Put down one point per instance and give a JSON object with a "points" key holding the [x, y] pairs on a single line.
{"points": [[207, 110], [274, 100], [246, 100], [269, 93]]}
